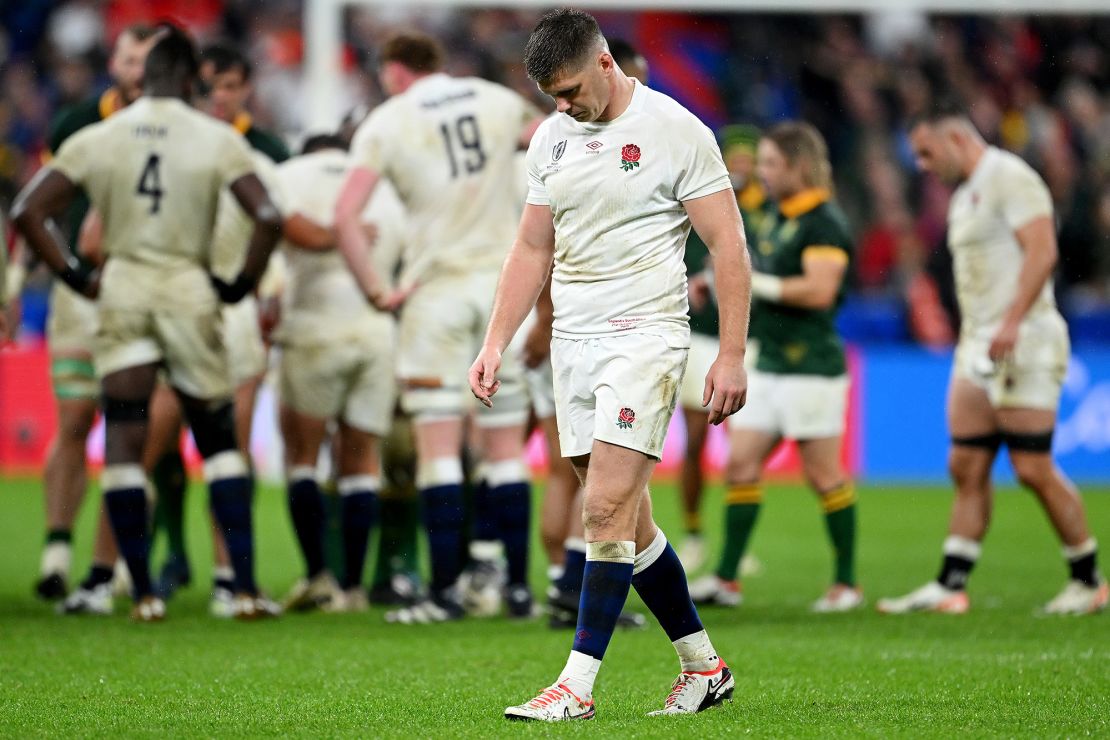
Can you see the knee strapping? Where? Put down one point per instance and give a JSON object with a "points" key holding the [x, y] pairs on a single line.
{"points": [[1028, 442], [505, 472], [213, 429], [440, 471], [124, 410], [989, 442]]}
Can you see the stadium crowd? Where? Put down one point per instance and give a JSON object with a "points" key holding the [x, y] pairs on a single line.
{"points": [[1034, 85]]}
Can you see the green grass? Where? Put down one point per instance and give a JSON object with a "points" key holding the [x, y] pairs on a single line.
{"points": [[998, 671]]}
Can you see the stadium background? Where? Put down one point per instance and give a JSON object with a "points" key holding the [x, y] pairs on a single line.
{"points": [[1037, 85]]}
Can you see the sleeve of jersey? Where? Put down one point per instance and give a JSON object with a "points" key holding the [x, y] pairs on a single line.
{"points": [[72, 159], [1025, 198], [537, 190], [698, 166], [237, 160], [826, 239], [368, 146]]}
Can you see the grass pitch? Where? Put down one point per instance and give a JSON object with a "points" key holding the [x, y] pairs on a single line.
{"points": [[999, 671]]}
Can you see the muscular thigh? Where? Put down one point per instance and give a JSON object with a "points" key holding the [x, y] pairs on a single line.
{"points": [[970, 413]]}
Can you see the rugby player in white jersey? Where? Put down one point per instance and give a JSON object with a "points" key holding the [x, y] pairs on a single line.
{"points": [[337, 355], [154, 173], [615, 186], [447, 146], [1010, 361]]}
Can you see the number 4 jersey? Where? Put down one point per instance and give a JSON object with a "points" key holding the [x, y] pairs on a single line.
{"points": [[447, 144]]}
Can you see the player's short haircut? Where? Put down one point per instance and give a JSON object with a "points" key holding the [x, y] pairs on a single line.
{"points": [[941, 109], [414, 50], [172, 56], [320, 142], [622, 51], [560, 42], [800, 141], [226, 58]]}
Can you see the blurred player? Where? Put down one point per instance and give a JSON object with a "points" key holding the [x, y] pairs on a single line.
{"points": [[799, 385], [614, 187], [154, 172], [70, 332], [1010, 361], [337, 356], [225, 89], [738, 145], [447, 145]]}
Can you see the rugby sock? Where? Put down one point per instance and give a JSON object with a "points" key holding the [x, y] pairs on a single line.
{"points": [[98, 575], [580, 673], [692, 520], [223, 577], [230, 491], [605, 583], [170, 481], [742, 502], [441, 493], [396, 538], [483, 509], [306, 508], [840, 519], [512, 499], [58, 552], [574, 563], [125, 499], [1082, 562], [960, 554], [360, 499], [659, 579]]}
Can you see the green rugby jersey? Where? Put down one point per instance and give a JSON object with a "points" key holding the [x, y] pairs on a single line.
{"points": [[793, 340]]}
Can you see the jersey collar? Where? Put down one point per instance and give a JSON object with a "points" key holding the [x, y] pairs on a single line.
{"points": [[804, 201], [242, 123], [110, 102]]}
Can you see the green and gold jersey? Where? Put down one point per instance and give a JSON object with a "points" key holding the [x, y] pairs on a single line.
{"points": [[793, 340], [751, 202], [69, 121], [259, 139]]}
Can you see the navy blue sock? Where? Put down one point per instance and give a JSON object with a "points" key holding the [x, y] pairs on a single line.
{"points": [[662, 586], [443, 520], [485, 524], [127, 512], [360, 504], [514, 508], [605, 587], [230, 499], [306, 507], [574, 563]]}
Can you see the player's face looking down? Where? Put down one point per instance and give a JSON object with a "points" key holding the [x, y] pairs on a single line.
{"points": [[227, 91], [936, 149], [780, 178], [583, 94], [126, 65]]}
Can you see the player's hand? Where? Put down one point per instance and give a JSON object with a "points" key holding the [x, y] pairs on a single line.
{"points": [[390, 300], [483, 375], [726, 388], [1002, 346], [537, 345], [231, 292], [698, 287], [269, 316]]}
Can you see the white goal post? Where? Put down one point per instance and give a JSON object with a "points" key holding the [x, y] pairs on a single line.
{"points": [[323, 29]]}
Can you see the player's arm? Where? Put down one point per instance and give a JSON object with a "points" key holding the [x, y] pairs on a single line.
{"points": [[716, 219], [305, 233], [823, 270], [46, 196], [523, 275], [256, 202], [537, 346], [354, 243], [90, 238], [1038, 244]]}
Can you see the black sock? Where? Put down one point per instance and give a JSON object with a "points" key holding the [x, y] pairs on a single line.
{"points": [[954, 572], [514, 506], [98, 574], [230, 499], [306, 507], [360, 503], [59, 535], [127, 511], [1085, 569]]}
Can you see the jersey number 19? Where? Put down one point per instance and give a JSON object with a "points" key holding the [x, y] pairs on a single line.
{"points": [[465, 132]]}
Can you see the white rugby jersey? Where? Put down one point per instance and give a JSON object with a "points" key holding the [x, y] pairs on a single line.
{"points": [[616, 190], [154, 172], [234, 226], [1002, 195], [322, 299], [447, 144]]}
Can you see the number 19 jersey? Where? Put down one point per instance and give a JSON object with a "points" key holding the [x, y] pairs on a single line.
{"points": [[447, 144]]}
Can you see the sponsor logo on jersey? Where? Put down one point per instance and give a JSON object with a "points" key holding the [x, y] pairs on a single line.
{"points": [[593, 146], [557, 150], [630, 157]]}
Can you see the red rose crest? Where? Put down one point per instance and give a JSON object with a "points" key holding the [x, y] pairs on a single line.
{"points": [[626, 418], [630, 157]]}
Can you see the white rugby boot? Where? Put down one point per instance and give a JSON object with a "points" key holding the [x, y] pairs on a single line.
{"points": [[932, 597], [697, 691], [95, 600], [711, 590], [149, 609], [554, 704], [839, 598], [1078, 598], [308, 594]]}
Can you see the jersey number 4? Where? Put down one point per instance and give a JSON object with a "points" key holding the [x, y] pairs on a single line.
{"points": [[150, 183], [465, 132]]}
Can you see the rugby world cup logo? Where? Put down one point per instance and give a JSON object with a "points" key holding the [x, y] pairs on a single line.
{"points": [[557, 150]]}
